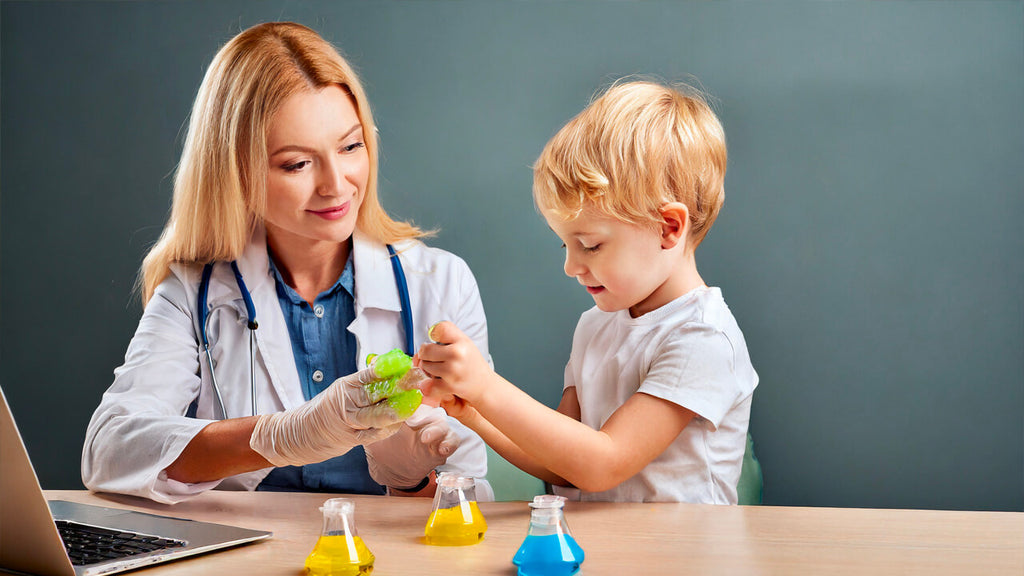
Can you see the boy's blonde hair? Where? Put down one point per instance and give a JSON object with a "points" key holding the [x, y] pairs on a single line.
{"points": [[220, 183], [638, 146]]}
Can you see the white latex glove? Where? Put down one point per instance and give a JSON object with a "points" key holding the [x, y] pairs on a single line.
{"points": [[332, 423], [423, 443]]}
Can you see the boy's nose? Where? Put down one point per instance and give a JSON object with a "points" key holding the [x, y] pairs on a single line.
{"points": [[572, 266]]}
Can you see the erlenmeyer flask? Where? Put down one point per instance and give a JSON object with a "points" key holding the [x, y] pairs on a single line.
{"points": [[339, 551], [456, 519], [549, 548]]}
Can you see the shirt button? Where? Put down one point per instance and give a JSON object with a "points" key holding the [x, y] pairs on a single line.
{"points": [[318, 310], [318, 376]]}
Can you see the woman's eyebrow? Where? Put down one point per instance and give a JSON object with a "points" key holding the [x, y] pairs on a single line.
{"points": [[297, 148], [356, 126]]}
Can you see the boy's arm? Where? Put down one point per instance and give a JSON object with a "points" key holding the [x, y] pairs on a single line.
{"points": [[466, 414], [592, 460], [508, 449]]}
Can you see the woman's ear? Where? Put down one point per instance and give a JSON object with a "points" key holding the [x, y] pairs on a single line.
{"points": [[675, 224]]}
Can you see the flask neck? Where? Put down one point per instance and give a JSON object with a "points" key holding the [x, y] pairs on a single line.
{"points": [[546, 521], [339, 524]]}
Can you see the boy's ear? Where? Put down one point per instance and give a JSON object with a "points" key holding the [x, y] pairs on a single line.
{"points": [[675, 224]]}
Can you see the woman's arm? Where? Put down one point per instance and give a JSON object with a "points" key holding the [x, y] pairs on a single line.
{"points": [[219, 450], [139, 427]]}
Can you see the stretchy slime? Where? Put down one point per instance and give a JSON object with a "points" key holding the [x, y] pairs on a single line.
{"points": [[396, 382]]}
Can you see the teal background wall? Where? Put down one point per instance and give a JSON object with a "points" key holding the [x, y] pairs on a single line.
{"points": [[870, 245]]}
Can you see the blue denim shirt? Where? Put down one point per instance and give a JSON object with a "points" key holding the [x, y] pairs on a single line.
{"points": [[324, 351]]}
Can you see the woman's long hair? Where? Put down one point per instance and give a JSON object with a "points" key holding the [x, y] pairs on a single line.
{"points": [[220, 183]]}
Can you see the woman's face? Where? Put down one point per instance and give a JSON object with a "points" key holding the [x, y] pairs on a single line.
{"points": [[318, 169]]}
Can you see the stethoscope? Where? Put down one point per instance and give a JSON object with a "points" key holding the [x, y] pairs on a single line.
{"points": [[250, 312]]}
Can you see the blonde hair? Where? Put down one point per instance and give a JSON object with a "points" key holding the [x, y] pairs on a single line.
{"points": [[638, 146], [220, 182]]}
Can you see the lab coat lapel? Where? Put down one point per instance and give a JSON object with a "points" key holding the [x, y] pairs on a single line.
{"points": [[375, 279], [272, 337], [375, 291]]}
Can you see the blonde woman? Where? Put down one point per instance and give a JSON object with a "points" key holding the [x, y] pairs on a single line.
{"points": [[277, 273]]}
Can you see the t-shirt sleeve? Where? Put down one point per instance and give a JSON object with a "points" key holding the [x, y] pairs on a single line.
{"points": [[694, 368]]}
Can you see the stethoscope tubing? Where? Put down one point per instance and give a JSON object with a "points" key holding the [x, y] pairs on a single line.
{"points": [[250, 310], [403, 298]]}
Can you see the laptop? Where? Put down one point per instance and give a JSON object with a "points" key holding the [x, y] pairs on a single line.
{"points": [[99, 540]]}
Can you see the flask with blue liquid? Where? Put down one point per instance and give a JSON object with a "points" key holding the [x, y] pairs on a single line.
{"points": [[549, 548]]}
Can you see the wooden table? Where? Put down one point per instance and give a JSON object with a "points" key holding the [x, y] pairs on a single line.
{"points": [[633, 539]]}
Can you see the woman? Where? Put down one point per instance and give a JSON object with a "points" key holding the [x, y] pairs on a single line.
{"points": [[277, 186]]}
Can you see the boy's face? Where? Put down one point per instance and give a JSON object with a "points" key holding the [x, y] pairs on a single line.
{"points": [[621, 265]]}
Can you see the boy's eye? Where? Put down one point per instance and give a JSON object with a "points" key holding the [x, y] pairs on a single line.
{"points": [[588, 249]]}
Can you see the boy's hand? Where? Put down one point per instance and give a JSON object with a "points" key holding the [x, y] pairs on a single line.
{"points": [[455, 407], [457, 362]]}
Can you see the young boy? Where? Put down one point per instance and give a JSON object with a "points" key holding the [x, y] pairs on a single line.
{"points": [[657, 391]]}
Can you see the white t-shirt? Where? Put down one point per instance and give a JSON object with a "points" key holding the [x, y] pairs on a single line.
{"points": [[689, 352]]}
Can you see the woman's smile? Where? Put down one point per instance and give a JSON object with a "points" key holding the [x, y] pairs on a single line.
{"points": [[334, 212]]}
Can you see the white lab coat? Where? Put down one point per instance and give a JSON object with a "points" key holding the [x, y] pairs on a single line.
{"points": [[140, 426]]}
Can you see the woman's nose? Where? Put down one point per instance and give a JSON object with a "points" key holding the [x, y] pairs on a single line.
{"points": [[332, 178]]}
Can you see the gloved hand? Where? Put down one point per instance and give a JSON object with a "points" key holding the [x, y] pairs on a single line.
{"points": [[332, 423], [423, 443]]}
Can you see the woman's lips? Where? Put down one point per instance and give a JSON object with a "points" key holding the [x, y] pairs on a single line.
{"points": [[333, 213]]}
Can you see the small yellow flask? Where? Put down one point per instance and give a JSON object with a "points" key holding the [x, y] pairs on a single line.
{"points": [[456, 519], [339, 551]]}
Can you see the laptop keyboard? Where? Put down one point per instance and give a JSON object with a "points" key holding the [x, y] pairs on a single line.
{"points": [[91, 544]]}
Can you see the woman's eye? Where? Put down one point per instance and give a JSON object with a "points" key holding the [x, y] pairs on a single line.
{"points": [[351, 147], [295, 166]]}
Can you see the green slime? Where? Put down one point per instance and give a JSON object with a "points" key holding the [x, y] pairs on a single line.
{"points": [[390, 367]]}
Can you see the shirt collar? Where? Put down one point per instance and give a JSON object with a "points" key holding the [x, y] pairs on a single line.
{"points": [[346, 282]]}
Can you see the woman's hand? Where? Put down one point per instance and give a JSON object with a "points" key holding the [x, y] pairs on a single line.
{"points": [[421, 445], [332, 423]]}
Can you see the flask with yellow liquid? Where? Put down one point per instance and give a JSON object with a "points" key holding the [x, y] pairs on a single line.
{"points": [[456, 519], [339, 551]]}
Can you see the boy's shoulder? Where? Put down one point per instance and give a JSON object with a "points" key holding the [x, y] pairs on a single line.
{"points": [[703, 305]]}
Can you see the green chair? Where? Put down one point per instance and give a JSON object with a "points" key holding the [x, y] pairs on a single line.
{"points": [[751, 485], [510, 483]]}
